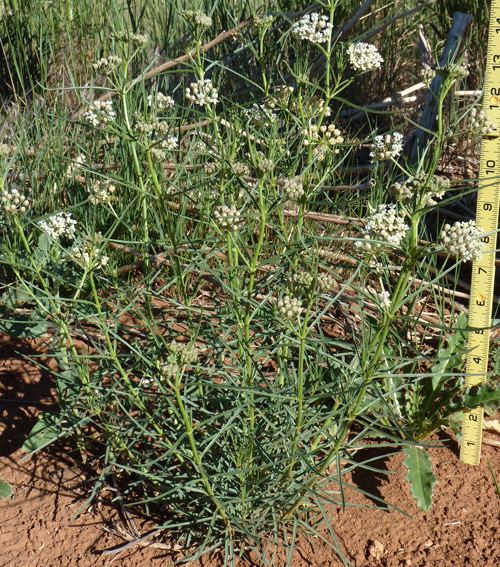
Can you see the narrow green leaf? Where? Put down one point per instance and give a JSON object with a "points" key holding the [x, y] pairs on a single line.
{"points": [[420, 476], [450, 357]]}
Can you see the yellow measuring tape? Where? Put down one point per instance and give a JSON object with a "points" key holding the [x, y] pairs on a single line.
{"points": [[483, 270]]}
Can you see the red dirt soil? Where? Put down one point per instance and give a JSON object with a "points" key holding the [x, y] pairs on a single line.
{"points": [[38, 530]]}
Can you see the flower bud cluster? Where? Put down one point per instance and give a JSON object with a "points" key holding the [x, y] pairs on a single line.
{"points": [[280, 97], [293, 188], [14, 201], [387, 146], [454, 71], [481, 123], [263, 165], [385, 225], [197, 18], [169, 144], [240, 169], [323, 139], [263, 22], [228, 218], [101, 191], [313, 27], [100, 113], [107, 65], [364, 56], [180, 355], [88, 254], [433, 189], [202, 93], [427, 73], [59, 225], [160, 101], [325, 282], [260, 115], [289, 307], [462, 240]]}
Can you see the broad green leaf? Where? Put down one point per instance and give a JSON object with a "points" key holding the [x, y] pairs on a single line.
{"points": [[41, 435], [420, 476], [5, 489], [22, 327]]}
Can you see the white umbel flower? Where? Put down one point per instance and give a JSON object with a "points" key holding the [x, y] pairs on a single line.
{"points": [[293, 188], [160, 101], [101, 191], [107, 65], [462, 240], [59, 225], [14, 201], [313, 27], [101, 112], [289, 307], [385, 225], [387, 146], [202, 93], [364, 56], [228, 218]]}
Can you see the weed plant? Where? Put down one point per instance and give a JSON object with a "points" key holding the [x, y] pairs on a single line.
{"points": [[233, 313]]}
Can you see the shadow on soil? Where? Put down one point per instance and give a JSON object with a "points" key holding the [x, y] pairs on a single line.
{"points": [[25, 390]]}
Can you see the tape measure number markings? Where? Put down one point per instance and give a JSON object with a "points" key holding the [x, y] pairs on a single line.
{"points": [[483, 270]]}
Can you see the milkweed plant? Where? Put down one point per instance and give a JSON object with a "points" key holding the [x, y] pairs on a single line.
{"points": [[234, 316]]}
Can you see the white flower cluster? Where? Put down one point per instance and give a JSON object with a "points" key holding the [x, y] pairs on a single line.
{"points": [[462, 240], [289, 307], [101, 112], [160, 101], [101, 191], [364, 56], [384, 298], [313, 27], [481, 123], [228, 218], [410, 189], [14, 201], [107, 65], [88, 256], [78, 162], [202, 93], [169, 144], [59, 225], [387, 146], [385, 225], [293, 188]]}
